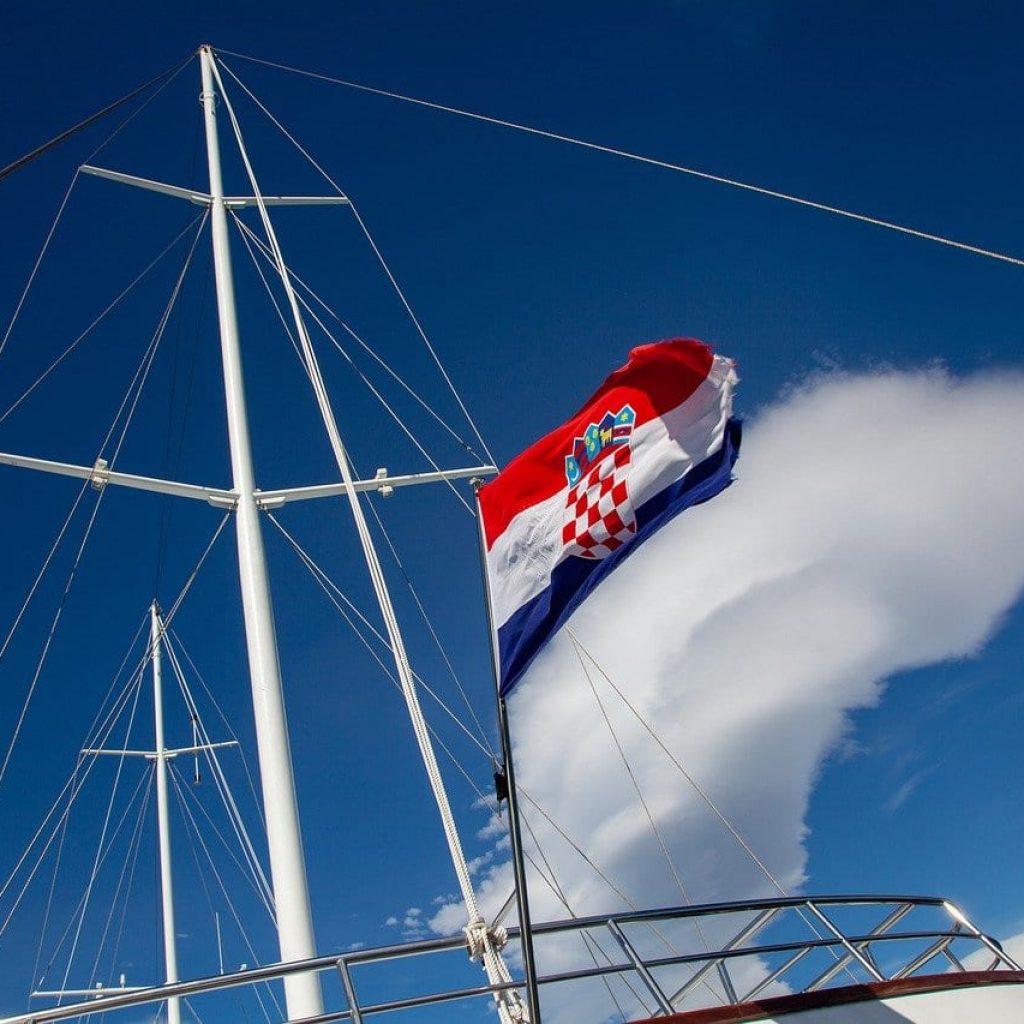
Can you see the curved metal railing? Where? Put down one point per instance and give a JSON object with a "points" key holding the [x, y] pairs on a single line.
{"points": [[649, 963]]}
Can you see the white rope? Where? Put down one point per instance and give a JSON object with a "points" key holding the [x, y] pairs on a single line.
{"points": [[664, 164], [380, 259]]}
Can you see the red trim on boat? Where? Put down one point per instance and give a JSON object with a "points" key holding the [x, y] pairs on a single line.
{"points": [[761, 1009]]}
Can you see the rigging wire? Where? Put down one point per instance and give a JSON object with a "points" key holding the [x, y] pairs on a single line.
{"points": [[140, 784], [589, 941], [131, 862], [67, 195], [368, 349], [107, 310], [697, 788], [246, 236], [359, 373], [16, 165], [700, 791], [380, 259], [627, 155], [650, 817], [99, 733], [131, 401], [190, 820], [334, 594], [224, 720], [100, 853], [206, 888], [253, 865]]}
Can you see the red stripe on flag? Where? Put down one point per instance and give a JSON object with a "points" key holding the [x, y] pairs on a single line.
{"points": [[657, 378]]}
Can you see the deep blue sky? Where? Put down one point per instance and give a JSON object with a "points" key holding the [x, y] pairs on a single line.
{"points": [[534, 267]]}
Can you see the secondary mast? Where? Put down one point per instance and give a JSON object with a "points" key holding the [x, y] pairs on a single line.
{"points": [[287, 862], [162, 816]]}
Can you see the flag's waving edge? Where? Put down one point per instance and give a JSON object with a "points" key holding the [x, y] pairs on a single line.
{"points": [[657, 437]]}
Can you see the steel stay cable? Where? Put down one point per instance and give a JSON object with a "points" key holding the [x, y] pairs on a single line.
{"points": [[74, 914], [365, 380], [95, 729], [177, 783], [104, 313], [675, 761], [136, 385], [364, 345], [100, 854], [224, 719], [330, 588], [179, 790], [127, 869], [380, 258], [67, 195], [664, 164], [698, 789], [254, 866], [589, 941], [650, 817], [103, 726], [75, 788]]}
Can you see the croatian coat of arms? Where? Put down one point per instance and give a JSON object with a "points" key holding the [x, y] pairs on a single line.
{"points": [[599, 516]]}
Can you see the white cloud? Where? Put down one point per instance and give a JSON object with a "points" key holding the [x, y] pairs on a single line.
{"points": [[874, 528]]}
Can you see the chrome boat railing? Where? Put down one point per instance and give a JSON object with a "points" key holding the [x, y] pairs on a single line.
{"points": [[761, 947]]}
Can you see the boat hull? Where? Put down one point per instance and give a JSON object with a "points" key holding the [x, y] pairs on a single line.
{"points": [[968, 998]]}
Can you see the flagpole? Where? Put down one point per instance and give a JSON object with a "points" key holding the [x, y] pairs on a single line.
{"points": [[515, 833]]}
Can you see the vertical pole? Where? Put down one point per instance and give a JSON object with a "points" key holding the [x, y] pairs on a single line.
{"points": [[515, 833], [163, 822], [287, 862]]}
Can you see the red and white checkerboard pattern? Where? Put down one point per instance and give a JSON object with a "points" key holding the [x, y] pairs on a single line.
{"points": [[599, 516]]}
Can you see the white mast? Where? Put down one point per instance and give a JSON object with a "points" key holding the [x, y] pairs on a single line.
{"points": [[163, 822], [287, 864]]}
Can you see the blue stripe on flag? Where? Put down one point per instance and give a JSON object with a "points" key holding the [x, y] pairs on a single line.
{"points": [[531, 626]]}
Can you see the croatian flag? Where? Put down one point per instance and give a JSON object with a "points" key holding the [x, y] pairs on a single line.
{"points": [[656, 437]]}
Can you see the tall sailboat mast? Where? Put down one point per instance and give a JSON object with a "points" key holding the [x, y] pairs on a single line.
{"points": [[287, 863], [162, 815]]}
